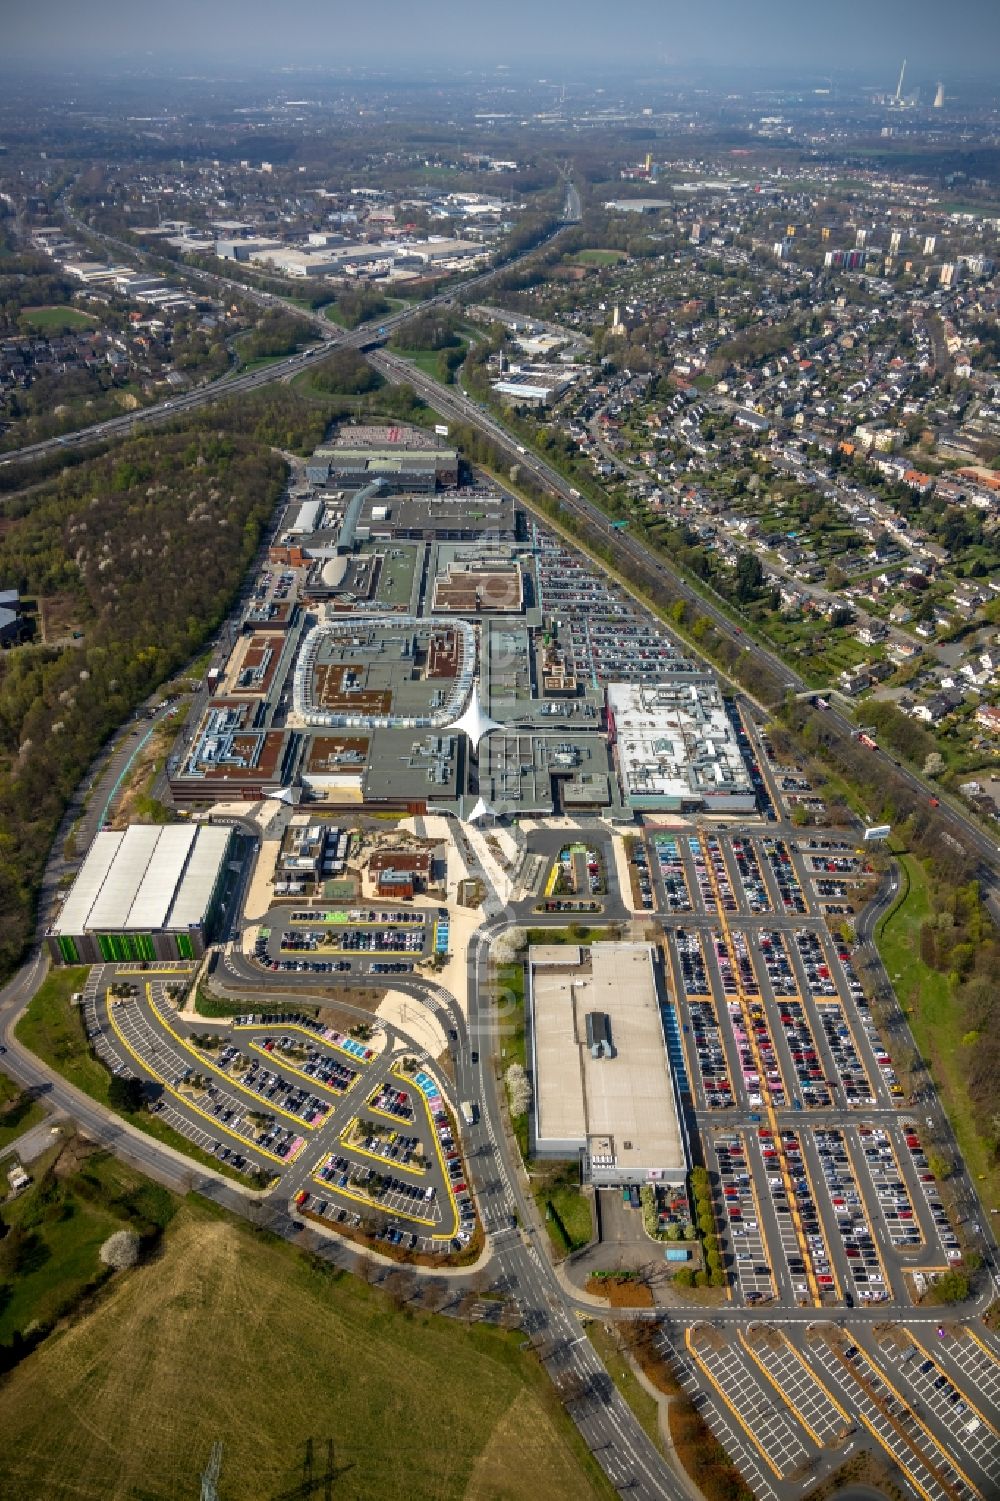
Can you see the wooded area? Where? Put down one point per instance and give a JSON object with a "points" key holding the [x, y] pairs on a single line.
{"points": [[146, 545]]}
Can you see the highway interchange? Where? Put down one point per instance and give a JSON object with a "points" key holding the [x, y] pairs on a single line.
{"points": [[773, 1398]]}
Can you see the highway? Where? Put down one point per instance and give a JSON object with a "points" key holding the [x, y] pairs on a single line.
{"points": [[452, 402], [331, 337]]}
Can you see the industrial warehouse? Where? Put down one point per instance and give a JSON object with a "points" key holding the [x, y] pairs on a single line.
{"points": [[602, 1082], [151, 892]]}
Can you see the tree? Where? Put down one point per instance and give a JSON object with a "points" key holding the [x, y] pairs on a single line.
{"points": [[749, 576], [121, 1250], [951, 1287], [125, 1094]]}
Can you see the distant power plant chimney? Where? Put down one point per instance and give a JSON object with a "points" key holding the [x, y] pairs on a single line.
{"points": [[899, 86], [939, 97]]}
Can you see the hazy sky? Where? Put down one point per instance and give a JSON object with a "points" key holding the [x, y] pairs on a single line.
{"points": [[934, 35]]}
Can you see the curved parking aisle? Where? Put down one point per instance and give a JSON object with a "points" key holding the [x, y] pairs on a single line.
{"points": [[298, 1147], [228, 1079]]}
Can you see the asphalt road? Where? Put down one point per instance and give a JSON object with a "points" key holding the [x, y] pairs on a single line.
{"points": [[231, 385], [451, 402]]}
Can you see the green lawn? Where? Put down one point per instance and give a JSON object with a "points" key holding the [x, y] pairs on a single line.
{"points": [[18, 1111], [53, 1029], [232, 1335], [926, 996], [56, 320], [74, 1203], [565, 1210], [595, 257]]}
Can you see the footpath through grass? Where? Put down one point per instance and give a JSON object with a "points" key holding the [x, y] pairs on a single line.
{"points": [[926, 996], [233, 1335], [53, 1029]]}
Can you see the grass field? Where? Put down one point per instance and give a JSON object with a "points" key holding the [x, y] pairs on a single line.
{"points": [[595, 257], [56, 320], [18, 1111], [936, 1028], [78, 1197], [53, 1029], [565, 1210], [234, 1337]]}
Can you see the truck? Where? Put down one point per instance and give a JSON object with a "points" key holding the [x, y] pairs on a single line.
{"points": [[677, 1253], [867, 740], [469, 1112]]}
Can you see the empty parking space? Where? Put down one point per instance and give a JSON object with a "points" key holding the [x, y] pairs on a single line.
{"points": [[765, 1423], [791, 1376], [961, 1415], [862, 1388], [741, 1226]]}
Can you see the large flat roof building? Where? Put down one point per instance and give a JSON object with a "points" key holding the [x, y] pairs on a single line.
{"points": [[602, 1079], [675, 746], [150, 892]]}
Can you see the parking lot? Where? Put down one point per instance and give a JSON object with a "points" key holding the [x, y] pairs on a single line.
{"points": [[921, 1371], [827, 1424], [765, 1422], [890, 1190], [864, 1388], [802, 1241], [857, 1235], [741, 1229], [673, 880]]}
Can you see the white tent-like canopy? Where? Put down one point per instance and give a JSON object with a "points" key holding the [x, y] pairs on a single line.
{"points": [[474, 721]]}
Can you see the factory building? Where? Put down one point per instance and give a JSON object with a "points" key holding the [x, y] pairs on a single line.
{"points": [[152, 892]]}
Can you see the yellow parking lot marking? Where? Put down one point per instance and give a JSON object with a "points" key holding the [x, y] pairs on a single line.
{"points": [[936, 1449], [151, 969], [437, 1147], [358, 1198], [306, 1032], [267, 1105], [212, 1120], [306, 1078], [353, 1146], [929, 1355], [732, 1407]]}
